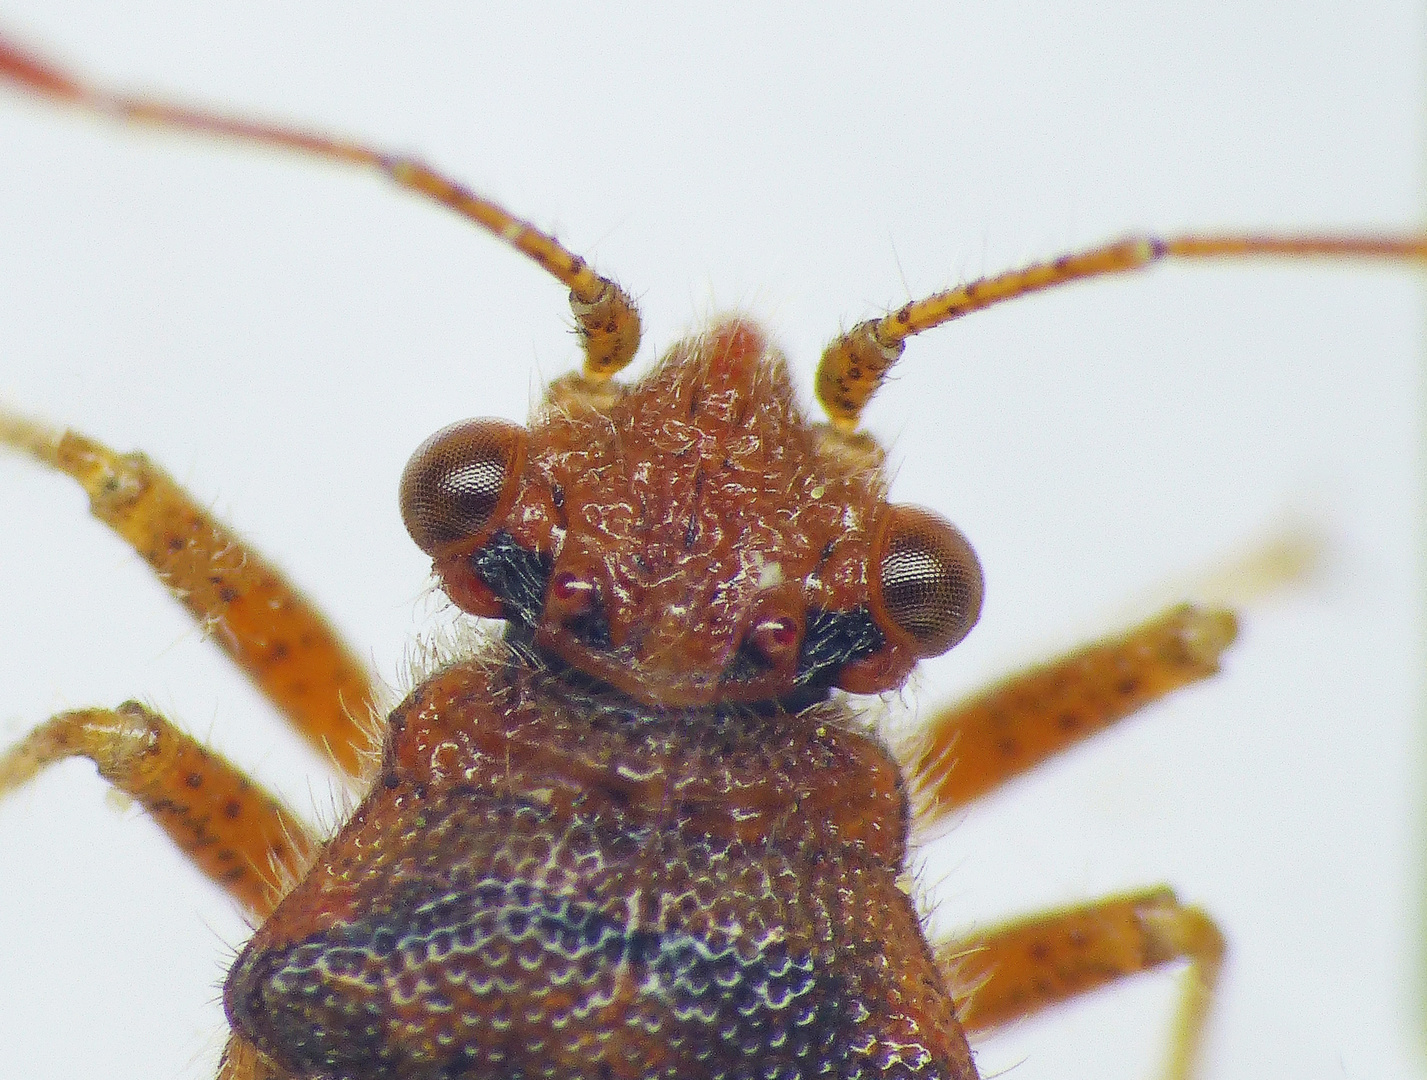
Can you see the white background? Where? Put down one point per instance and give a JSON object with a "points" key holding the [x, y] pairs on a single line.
{"points": [[282, 335]]}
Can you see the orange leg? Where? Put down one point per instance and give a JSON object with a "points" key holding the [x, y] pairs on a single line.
{"points": [[241, 1061], [1019, 968], [977, 745], [269, 629], [233, 830]]}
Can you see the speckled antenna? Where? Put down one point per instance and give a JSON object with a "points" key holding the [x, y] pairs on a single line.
{"points": [[605, 317], [853, 365], [643, 832], [857, 362]]}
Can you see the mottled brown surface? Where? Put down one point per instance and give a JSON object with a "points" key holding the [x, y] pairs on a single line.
{"points": [[701, 501], [549, 883], [610, 846]]}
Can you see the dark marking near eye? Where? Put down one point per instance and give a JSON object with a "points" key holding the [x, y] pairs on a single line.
{"points": [[833, 639], [517, 576]]}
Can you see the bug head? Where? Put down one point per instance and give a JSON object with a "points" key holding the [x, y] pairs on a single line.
{"points": [[691, 537]]}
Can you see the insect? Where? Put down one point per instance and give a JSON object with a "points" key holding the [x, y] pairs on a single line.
{"points": [[1092, 594]]}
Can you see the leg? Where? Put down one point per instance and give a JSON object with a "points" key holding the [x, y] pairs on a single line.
{"points": [[979, 744], [269, 629], [242, 1062], [234, 831], [1019, 968]]}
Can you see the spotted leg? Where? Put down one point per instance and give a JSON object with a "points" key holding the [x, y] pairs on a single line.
{"points": [[975, 746], [238, 834], [1019, 968], [281, 642], [235, 832]]}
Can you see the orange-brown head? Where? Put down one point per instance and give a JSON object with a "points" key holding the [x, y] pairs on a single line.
{"points": [[692, 538]]}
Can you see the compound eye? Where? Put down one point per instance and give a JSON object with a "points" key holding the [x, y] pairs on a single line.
{"points": [[928, 580], [459, 481]]}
